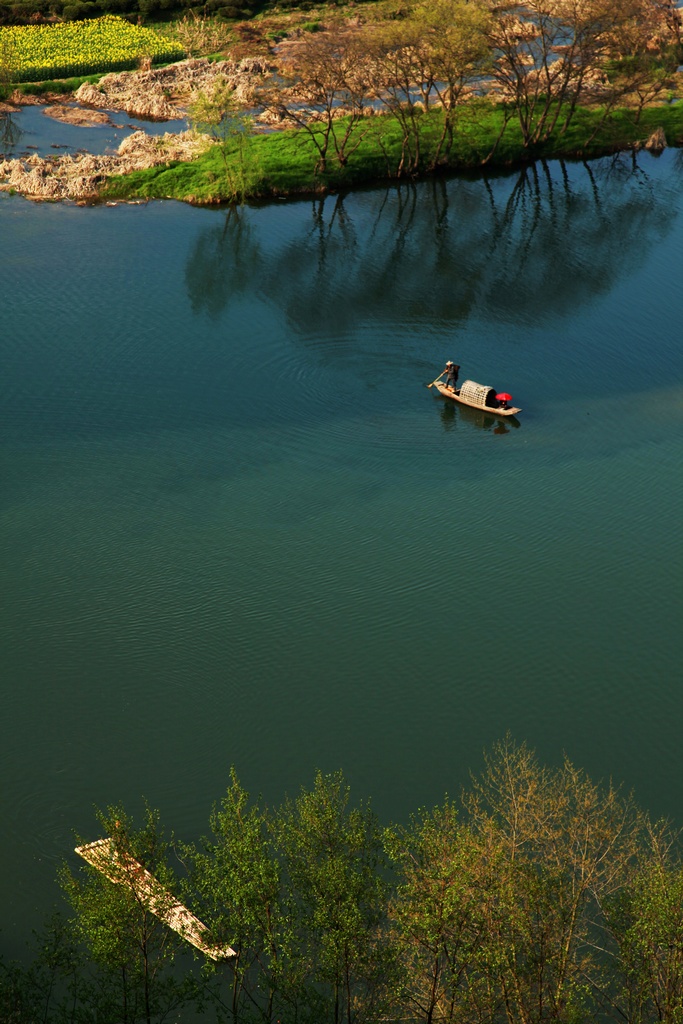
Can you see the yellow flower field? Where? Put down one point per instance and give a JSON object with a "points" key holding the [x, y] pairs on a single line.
{"points": [[35, 53]]}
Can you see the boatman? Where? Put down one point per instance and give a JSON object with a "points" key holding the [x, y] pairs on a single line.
{"points": [[451, 372]]}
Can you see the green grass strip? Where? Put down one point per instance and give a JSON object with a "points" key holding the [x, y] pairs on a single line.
{"points": [[282, 163]]}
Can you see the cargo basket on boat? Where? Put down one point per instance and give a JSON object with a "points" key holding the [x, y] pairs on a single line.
{"points": [[478, 394]]}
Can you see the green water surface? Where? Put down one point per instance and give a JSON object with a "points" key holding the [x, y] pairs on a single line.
{"points": [[237, 528]]}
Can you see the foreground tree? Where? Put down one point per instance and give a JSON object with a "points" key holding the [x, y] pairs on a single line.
{"points": [[646, 924], [547, 899], [133, 950], [54, 986], [336, 960], [439, 918], [235, 880], [300, 896], [568, 846]]}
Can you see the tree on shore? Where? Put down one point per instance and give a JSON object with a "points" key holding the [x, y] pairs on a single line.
{"points": [[404, 82], [326, 88], [235, 882], [541, 898], [217, 113], [550, 55], [645, 921], [645, 56], [133, 951], [671, 13], [336, 961], [459, 58]]}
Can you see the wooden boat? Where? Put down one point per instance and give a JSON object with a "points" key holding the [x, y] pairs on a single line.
{"points": [[150, 893], [477, 396]]}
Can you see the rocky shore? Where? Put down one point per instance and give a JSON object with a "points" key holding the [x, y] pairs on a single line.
{"points": [[164, 94], [152, 94], [81, 177], [161, 94]]}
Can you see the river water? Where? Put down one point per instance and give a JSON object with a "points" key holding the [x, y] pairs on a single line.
{"points": [[29, 131], [236, 526]]}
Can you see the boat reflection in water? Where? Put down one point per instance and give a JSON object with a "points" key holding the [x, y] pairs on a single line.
{"points": [[454, 415]]}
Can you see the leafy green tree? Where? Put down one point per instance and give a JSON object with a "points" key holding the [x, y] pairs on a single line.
{"points": [[546, 899], [235, 880], [336, 960], [646, 923], [432, 59], [458, 57], [134, 951], [217, 113], [438, 914], [568, 846]]}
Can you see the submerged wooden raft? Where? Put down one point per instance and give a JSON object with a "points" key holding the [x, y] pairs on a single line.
{"points": [[477, 396], [118, 868]]}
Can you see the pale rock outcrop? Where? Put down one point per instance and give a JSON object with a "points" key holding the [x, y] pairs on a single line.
{"points": [[157, 94], [161, 93], [81, 176], [657, 141]]}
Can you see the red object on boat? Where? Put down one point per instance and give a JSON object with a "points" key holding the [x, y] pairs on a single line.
{"points": [[504, 397]]}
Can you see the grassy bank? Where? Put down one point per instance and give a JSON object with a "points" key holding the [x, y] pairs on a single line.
{"points": [[283, 163], [57, 86]]}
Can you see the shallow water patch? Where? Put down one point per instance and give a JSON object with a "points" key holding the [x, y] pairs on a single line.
{"points": [[28, 131]]}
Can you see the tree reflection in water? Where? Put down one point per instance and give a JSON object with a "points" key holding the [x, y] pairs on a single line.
{"points": [[222, 264], [10, 132], [540, 242]]}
